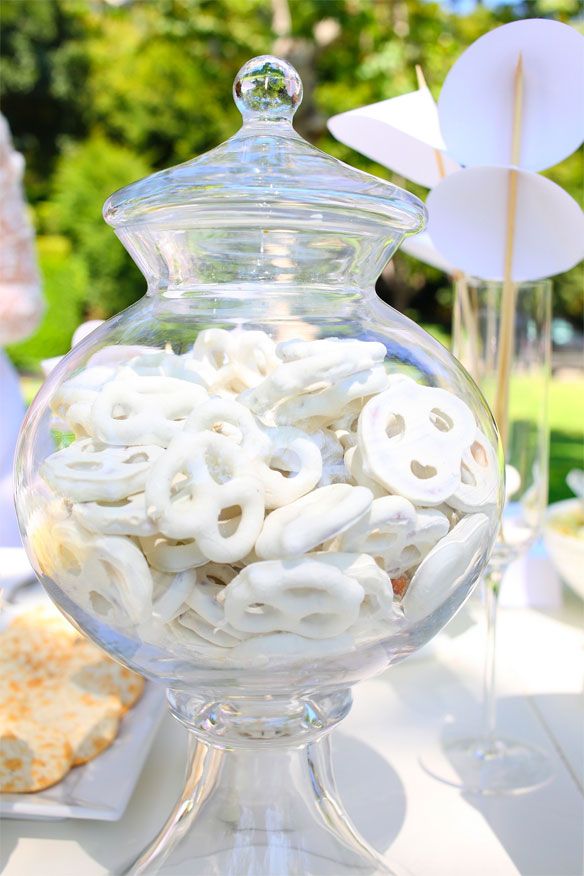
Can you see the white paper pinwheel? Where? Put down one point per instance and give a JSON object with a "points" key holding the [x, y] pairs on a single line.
{"points": [[511, 105], [508, 107], [402, 133]]}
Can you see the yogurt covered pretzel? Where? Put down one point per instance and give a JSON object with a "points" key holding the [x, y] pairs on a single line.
{"points": [[229, 418], [218, 476], [171, 593], [106, 575], [304, 596], [292, 467], [235, 360], [309, 367], [412, 439], [442, 571], [125, 516], [165, 363], [479, 482], [144, 410], [308, 522], [377, 612], [321, 405], [383, 530], [73, 400], [171, 555], [430, 526], [89, 471]]}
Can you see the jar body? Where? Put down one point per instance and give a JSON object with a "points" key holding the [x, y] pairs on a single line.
{"points": [[150, 594]]}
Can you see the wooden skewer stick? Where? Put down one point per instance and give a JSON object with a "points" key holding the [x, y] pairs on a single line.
{"points": [[459, 277], [420, 77], [507, 327]]}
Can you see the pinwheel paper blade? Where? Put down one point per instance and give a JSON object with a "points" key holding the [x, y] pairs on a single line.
{"points": [[402, 133], [421, 247], [477, 100], [468, 224]]}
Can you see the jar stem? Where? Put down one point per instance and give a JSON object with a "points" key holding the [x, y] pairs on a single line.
{"points": [[259, 808], [491, 590]]}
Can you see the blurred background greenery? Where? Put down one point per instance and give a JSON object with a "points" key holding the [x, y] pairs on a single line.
{"points": [[99, 93]]}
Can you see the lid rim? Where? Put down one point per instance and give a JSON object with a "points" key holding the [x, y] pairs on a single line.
{"points": [[407, 221]]}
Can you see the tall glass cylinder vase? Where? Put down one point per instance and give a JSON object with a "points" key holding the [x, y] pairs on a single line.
{"points": [[489, 764]]}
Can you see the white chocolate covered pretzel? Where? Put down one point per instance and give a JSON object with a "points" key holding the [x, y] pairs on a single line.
{"points": [[306, 523], [479, 481], [165, 363], [354, 466], [72, 402], [452, 560], [291, 468], [217, 477], [203, 612], [144, 410], [334, 470], [203, 599], [304, 596], [89, 471], [252, 357], [192, 630], [377, 604], [323, 404], [233, 420], [309, 368], [172, 555], [412, 438], [234, 360], [171, 591], [125, 516], [429, 527], [106, 575], [383, 530]]}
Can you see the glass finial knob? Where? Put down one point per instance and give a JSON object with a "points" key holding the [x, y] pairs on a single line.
{"points": [[267, 88]]}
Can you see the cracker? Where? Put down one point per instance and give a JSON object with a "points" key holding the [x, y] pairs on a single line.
{"points": [[90, 723], [97, 674], [33, 756], [54, 679]]}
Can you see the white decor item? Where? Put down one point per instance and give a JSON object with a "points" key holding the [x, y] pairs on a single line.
{"points": [[402, 133], [476, 103], [468, 224]]}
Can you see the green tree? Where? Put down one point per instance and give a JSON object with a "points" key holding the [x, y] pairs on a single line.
{"points": [[65, 283], [41, 76], [84, 177]]}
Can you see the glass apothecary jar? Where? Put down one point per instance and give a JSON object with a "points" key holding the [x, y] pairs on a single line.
{"points": [[259, 484]]}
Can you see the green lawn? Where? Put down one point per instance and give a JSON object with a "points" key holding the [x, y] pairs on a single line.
{"points": [[566, 413]]}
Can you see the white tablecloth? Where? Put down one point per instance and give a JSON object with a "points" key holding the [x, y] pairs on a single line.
{"points": [[433, 829]]}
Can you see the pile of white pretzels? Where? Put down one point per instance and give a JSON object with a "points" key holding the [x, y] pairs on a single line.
{"points": [[249, 497]]}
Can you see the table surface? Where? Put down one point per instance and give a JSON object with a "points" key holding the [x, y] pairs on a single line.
{"points": [[397, 720]]}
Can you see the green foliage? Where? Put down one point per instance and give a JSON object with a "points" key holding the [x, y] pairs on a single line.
{"points": [[65, 282], [35, 40], [161, 72], [85, 175]]}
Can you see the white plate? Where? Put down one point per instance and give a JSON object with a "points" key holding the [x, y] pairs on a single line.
{"points": [[99, 789]]}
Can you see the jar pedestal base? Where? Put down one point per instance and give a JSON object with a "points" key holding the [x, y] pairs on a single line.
{"points": [[263, 807]]}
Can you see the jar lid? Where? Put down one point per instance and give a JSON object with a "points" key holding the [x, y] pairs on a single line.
{"points": [[266, 166]]}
